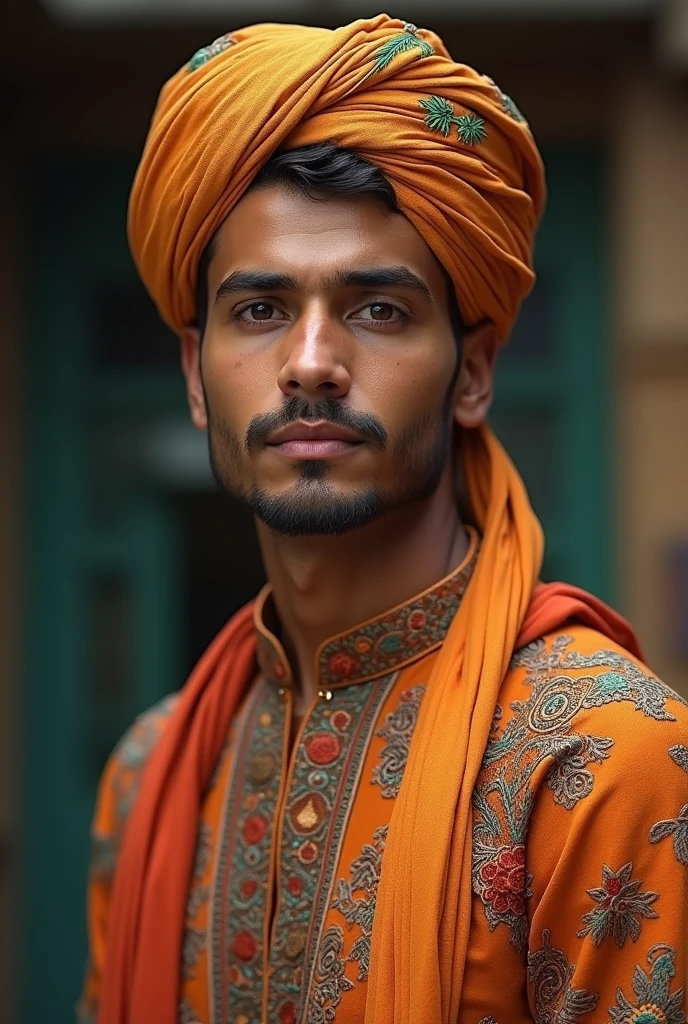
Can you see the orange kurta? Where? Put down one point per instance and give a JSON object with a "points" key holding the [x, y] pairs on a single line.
{"points": [[580, 834]]}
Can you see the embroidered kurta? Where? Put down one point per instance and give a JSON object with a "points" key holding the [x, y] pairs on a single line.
{"points": [[580, 833]]}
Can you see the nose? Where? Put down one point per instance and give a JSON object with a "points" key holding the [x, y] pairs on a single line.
{"points": [[315, 365]]}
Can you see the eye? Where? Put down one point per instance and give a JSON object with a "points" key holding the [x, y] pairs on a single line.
{"points": [[381, 312], [258, 312]]}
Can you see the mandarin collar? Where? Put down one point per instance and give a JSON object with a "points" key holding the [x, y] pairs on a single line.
{"points": [[383, 644]]}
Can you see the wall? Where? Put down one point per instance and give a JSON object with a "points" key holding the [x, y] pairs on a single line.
{"points": [[649, 175]]}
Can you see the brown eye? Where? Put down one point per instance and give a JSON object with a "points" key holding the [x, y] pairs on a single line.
{"points": [[381, 311], [261, 311]]}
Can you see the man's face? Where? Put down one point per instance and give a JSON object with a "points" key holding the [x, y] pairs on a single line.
{"points": [[328, 362]]}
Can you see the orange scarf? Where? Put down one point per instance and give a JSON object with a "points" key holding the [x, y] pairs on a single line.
{"points": [[423, 914]]}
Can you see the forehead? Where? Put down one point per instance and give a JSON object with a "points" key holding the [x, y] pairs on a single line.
{"points": [[279, 229]]}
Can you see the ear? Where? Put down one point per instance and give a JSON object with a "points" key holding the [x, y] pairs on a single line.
{"points": [[475, 386], [190, 346]]}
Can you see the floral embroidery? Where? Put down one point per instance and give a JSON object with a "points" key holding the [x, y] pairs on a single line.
{"points": [[398, 637], [619, 907], [541, 731], [554, 999], [440, 117], [365, 877], [678, 826], [654, 1003], [397, 730], [325, 776], [330, 980], [503, 885], [242, 873]]}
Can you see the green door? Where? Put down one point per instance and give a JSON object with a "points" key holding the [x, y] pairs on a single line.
{"points": [[133, 561]]}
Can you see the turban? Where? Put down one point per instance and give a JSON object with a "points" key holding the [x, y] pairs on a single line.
{"points": [[467, 174], [459, 155]]}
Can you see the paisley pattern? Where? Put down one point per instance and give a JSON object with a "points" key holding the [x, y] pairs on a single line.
{"points": [[397, 730], [542, 731], [554, 998]]}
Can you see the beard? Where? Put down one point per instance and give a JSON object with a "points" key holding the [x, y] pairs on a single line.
{"points": [[314, 506]]}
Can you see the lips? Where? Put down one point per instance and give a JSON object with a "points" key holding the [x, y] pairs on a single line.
{"points": [[313, 440]]}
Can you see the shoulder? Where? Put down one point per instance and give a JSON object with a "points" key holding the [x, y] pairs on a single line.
{"points": [[579, 696], [121, 780]]}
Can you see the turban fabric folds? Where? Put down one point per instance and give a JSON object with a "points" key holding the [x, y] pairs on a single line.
{"points": [[468, 175], [461, 159]]}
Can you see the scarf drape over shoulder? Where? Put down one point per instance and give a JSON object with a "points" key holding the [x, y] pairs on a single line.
{"points": [[468, 175]]}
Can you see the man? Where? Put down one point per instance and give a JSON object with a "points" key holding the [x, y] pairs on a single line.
{"points": [[407, 784]]}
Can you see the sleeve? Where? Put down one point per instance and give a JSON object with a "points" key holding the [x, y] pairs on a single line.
{"points": [[608, 859], [117, 790]]}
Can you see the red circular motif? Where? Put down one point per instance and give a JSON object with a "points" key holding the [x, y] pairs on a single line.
{"points": [[244, 946], [341, 720], [505, 881], [308, 852], [248, 888], [294, 885], [613, 886], [416, 620], [287, 1013], [341, 664], [255, 828], [323, 748]]}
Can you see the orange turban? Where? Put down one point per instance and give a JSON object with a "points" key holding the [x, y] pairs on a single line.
{"points": [[456, 150]]}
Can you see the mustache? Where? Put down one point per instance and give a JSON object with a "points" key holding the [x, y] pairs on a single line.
{"points": [[329, 409]]}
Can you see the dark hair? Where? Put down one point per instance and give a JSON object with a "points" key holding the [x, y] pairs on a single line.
{"points": [[319, 171]]}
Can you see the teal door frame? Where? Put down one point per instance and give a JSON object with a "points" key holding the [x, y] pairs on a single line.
{"points": [[77, 234]]}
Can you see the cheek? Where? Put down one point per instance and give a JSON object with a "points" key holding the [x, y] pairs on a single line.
{"points": [[407, 384], [235, 383]]}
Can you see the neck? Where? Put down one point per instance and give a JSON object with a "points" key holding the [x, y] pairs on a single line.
{"points": [[327, 585]]}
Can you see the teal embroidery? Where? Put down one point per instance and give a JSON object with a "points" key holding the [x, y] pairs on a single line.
{"points": [[678, 826], [654, 1004], [187, 1014], [408, 40], [541, 730], [619, 907], [359, 911], [194, 943], [554, 998], [206, 53], [440, 117], [397, 730]]}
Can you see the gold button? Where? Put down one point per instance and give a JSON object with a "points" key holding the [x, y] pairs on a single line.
{"points": [[281, 691], [325, 694]]}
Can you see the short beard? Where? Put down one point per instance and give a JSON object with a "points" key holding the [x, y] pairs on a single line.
{"points": [[314, 507]]}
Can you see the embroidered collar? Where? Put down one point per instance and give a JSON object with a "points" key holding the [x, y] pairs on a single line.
{"points": [[383, 644]]}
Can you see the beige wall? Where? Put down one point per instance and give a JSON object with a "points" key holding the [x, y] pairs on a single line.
{"points": [[649, 175]]}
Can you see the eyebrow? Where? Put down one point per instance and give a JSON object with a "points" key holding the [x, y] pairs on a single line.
{"points": [[373, 277]]}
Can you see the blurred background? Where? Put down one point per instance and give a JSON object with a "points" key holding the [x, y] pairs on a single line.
{"points": [[121, 561]]}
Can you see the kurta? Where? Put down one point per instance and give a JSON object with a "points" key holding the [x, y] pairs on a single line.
{"points": [[580, 833]]}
